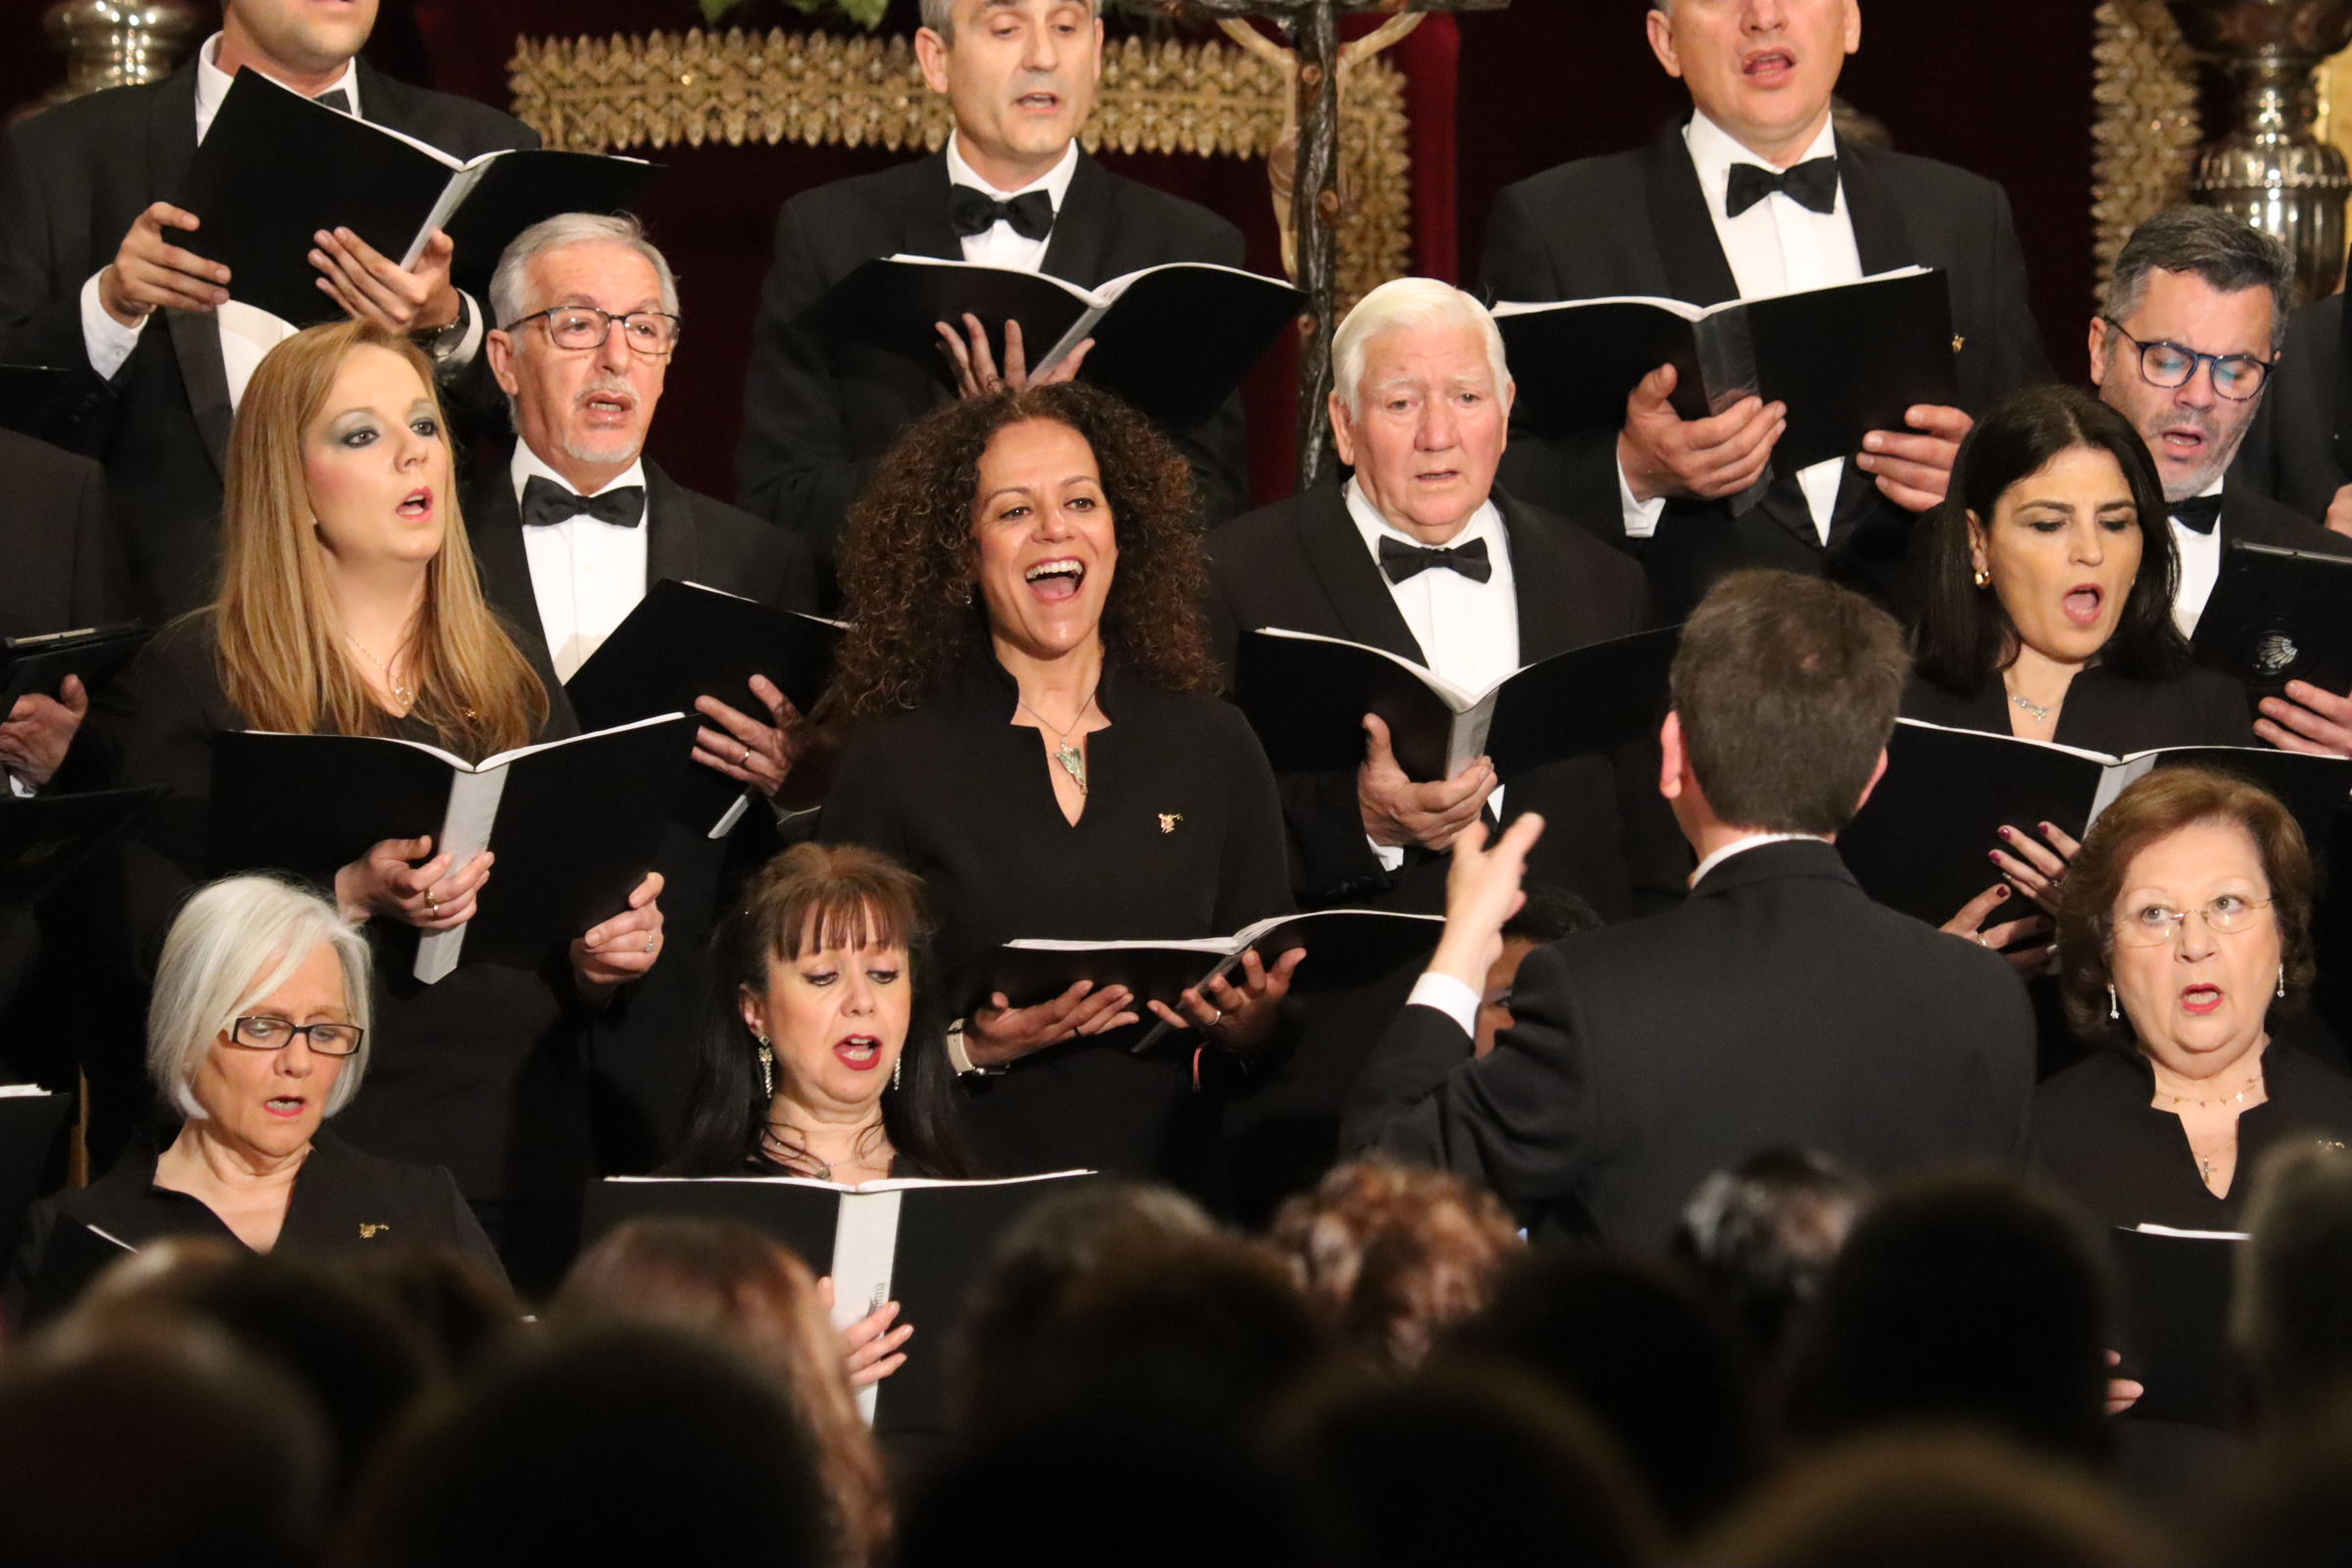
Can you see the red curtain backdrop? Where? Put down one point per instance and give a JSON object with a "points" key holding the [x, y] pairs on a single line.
{"points": [[1494, 97]]}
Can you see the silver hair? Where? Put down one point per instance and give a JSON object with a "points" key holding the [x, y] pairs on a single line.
{"points": [[565, 229], [233, 944], [939, 16], [2228, 253], [1401, 303]]}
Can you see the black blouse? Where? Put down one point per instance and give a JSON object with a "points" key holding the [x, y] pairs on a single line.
{"points": [[480, 1073], [1180, 836], [342, 1200], [2107, 712], [2098, 1134]]}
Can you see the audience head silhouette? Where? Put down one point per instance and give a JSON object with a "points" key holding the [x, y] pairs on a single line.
{"points": [[2292, 1321]]}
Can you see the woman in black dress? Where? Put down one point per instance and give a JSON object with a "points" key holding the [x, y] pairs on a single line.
{"points": [[2184, 937], [2046, 614], [1037, 735], [349, 605]]}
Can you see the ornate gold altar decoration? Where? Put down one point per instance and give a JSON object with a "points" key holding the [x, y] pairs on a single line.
{"points": [[1207, 99], [2145, 131]]}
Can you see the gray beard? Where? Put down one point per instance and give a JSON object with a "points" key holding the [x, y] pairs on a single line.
{"points": [[618, 451]]}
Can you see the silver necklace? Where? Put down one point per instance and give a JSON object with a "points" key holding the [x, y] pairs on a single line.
{"points": [[404, 695], [1071, 759], [796, 1155], [2040, 714]]}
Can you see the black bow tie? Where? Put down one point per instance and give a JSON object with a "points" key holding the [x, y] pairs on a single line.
{"points": [[1402, 561], [335, 98], [2198, 513], [546, 502], [976, 212], [1812, 185]]}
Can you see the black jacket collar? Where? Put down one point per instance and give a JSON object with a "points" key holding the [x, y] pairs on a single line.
{"points": [[1770, 862]]}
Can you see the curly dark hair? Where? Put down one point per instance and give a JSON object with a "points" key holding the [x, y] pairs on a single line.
{"points": [[906, 558]]}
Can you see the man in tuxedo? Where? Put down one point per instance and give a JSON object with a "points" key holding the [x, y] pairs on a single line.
{"points": [[1775, 1006], [1757, 194], [571, 531], [2196, 313], [1420, 555], [2293, 452], [93, 279], [1012, 188]]}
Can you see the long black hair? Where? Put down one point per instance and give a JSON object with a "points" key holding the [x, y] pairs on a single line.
{"points": [[821, 896], [1963, 636]]}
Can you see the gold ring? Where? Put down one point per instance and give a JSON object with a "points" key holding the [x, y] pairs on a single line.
{"points": [[649, 941], [431, 905]]}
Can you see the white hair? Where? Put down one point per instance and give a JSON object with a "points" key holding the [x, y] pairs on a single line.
{"points": [[565, 229], [234, 943], [1399, 304], [939, 16]]}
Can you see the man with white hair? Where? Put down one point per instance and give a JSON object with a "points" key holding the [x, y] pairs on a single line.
{"points": [[1420, 555], [1012, 188], [573, 529]]}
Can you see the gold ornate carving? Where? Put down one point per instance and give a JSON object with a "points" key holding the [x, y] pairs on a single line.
{"points": [[1207, 99], [2145, 131]]}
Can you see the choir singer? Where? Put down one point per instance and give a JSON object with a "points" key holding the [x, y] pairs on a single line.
{"points": [[350, 605], [1039, 739]]}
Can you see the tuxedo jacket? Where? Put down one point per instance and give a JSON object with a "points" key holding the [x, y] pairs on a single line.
{"points": [[1300, 564], [66, 564], [640, 1055], [1775, 1006], [2290, 452], [819, 415], [72, 181], [1637, 223]]}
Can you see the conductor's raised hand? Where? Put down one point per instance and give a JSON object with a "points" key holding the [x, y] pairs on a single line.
{"points": [[385, 883], [1915, 470], [371, 287], [1236, 1017], [749, 752], [870, 1346], [1481, 892], [975, 362], [1398, 812], [1000, 1033], [2026, 962], [623, 948], [150, 272], [1664, 454]]}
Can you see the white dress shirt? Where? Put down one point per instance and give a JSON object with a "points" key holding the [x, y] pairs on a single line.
{"points": [[2200, 565], [1002, 245], [246, 334], [1468, 631], [586, 575], [1460, 1003], [1778, 245]]}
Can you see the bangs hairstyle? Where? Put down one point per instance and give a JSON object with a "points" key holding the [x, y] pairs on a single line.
{"points": [[2150, 810], [1964, 636], [908, 556], [283, 659], [810, 898], [233, 944], [1788, 689]]}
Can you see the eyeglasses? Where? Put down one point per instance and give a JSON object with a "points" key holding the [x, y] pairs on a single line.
{"points": [[2153, 925], [261, 1032], [2236, 376], [583, 326]]}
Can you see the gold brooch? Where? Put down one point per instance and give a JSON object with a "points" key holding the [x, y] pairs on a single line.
{"points": [[1958, 343], [1169, 819], [368, 1232]]}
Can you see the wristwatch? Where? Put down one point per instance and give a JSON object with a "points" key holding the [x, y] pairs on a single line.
{"points": [[441, 342], [959, 1055]]}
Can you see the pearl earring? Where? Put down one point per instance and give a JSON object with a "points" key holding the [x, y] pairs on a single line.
{"points": [[768, 1070], [2112, 1011]]}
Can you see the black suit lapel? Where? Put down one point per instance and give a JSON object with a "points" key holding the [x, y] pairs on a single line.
{"points": [[494, 525], [1080, 248], [926, 230], [1550, 599], [1697, 270], [671, 544], [1882, 239], [1349, 579], [195, 334]]}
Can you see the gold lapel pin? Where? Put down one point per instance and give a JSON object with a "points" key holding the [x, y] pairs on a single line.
{"points": [[1169, 819], [369, 1232], [1958, 342]]}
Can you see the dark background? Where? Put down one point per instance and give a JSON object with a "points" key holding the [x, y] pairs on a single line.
{"points": [[2006, 95]]}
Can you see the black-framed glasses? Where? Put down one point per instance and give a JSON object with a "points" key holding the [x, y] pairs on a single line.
{"points": [[2236, 376], [261, 1032], [652, 333]]}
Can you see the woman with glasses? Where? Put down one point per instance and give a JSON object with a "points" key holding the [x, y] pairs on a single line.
{"points": [[2183, 941], [258, 1032]]}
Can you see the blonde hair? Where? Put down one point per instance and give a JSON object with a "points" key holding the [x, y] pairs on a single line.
{"points": [[281, 655], [234, 943]]}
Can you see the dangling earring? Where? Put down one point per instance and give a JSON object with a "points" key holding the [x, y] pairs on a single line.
{"points": [[898, 1066], [2282, 982], [768, 1070], [967, 595], [2112, 1011], [1984, 578]]}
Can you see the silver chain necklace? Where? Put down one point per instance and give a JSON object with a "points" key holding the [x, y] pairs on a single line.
{"points": [[403, 694], [2040, 714], [1071, 759]]}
